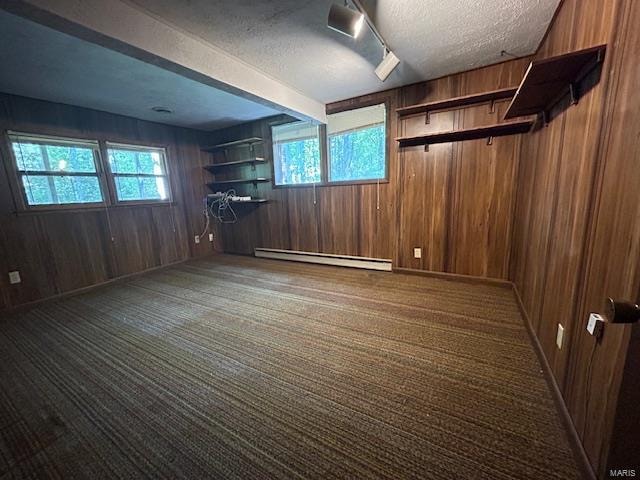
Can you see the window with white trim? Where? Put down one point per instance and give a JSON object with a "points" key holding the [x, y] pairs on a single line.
{"points": [[296, 153]]}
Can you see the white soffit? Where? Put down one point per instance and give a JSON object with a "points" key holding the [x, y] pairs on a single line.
{"points": [[124, 28]]}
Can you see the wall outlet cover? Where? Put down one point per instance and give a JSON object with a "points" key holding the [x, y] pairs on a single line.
{"points": [[211, 237], [595, 325], [417, 253], [196, 239], [560, 336], [14, 277]]}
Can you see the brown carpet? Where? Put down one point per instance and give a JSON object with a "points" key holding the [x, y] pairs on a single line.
{"points": [[235, 367]]}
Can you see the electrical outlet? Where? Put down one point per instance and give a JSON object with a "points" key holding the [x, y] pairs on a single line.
{"points": [[560, 336], [417, 253], [595, 324], [196, 239], [211, 237], [14, 277]]}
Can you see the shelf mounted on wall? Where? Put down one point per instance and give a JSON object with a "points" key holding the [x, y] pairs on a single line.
{"points": [[552, 84], [474, 133]]}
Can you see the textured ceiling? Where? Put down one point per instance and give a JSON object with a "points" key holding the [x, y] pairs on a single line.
{"points": [[43, 63], [289, 39]]}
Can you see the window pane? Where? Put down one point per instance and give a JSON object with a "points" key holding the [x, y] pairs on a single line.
{"points": [[149, 162], [141, 188], [53, 158], [357, 149], [59, 190], [296, 153]]}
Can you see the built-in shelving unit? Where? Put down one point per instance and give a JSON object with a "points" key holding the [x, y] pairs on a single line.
{"points": [[487, 131], [547, 82], [457, 102], [252, 160]]}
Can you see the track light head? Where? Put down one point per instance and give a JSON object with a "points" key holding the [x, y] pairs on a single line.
{"points": [[345, 20], [387, 65]]}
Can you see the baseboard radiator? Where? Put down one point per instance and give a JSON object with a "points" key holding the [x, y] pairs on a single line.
{"points": [[325, 259]]}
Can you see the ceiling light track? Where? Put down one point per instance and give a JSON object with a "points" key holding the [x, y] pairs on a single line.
{"points": [[349, 22]]}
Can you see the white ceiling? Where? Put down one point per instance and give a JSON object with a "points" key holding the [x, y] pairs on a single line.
{"points": [[43, 63], [289, 39], [283, 49]]}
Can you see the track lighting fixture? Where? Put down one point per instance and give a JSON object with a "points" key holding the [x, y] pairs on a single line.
{"points": [[345, 20], [349, 21]]}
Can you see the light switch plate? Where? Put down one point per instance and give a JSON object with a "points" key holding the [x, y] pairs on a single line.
{"points": [[417, 253], [14, 277], [595, 324], [560, 336]]}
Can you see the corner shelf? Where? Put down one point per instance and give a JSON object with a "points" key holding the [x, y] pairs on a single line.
{"points": [[550, 80], [487, 131], [239, 181], [246, 161], [457, 102], [236, 143]]}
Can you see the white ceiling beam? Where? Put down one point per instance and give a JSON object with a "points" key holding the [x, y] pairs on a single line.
{"points": [[122, 27]]}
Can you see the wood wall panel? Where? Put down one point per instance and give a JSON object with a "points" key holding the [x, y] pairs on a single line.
{"points": [[58, 252], [577, 223], [454, 201]]}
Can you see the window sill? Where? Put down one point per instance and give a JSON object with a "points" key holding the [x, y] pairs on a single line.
{"points": [[334, 184]]}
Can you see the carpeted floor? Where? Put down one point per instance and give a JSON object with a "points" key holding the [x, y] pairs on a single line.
{"points": [[235, 367]]}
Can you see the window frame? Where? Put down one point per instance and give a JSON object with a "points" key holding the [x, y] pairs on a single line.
{"points": [[20, 192], [321, 147], [387, 120], [111, 177], [338, 107]]}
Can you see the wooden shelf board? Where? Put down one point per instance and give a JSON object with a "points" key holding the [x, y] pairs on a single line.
{"points": [[234, 163], [496, 130], [547, 81], [240, 180], [235, 143], [457, 102]]}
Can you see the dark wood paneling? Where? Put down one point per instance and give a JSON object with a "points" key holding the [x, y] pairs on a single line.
{"points": [[58, 252], [454, 201], [577, 225]]}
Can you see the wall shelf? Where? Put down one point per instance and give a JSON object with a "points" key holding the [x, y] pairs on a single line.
{"points": [[550, 80], [239, 181], [487, 131], [457, 102], [246, 161], [235, 144]]}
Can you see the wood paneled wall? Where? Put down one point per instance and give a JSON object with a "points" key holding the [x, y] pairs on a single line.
{"points": [[60, 251], [455, 201], [577, 224]]}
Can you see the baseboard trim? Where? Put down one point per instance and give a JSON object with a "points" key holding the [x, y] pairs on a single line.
{"points": [[325, 259], [456, 277], [88, 288], [579, 453]]}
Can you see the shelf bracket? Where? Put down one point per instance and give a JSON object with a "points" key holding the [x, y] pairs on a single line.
{"points": [[492, 108], [490, 141], [427, 117], [573, 94], [426, 147], [545, 118]]}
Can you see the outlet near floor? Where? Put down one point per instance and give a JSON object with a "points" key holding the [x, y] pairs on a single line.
{"points": [[417, 253]]}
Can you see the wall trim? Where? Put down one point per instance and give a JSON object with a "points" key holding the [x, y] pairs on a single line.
{"points": [[499, 282], [382, 264], [579, 453], [78, 291]]}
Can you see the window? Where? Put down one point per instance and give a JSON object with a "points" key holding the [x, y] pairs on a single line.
{"points": [[139, 173], [296, 153], [357, 144], [55, 171]]}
